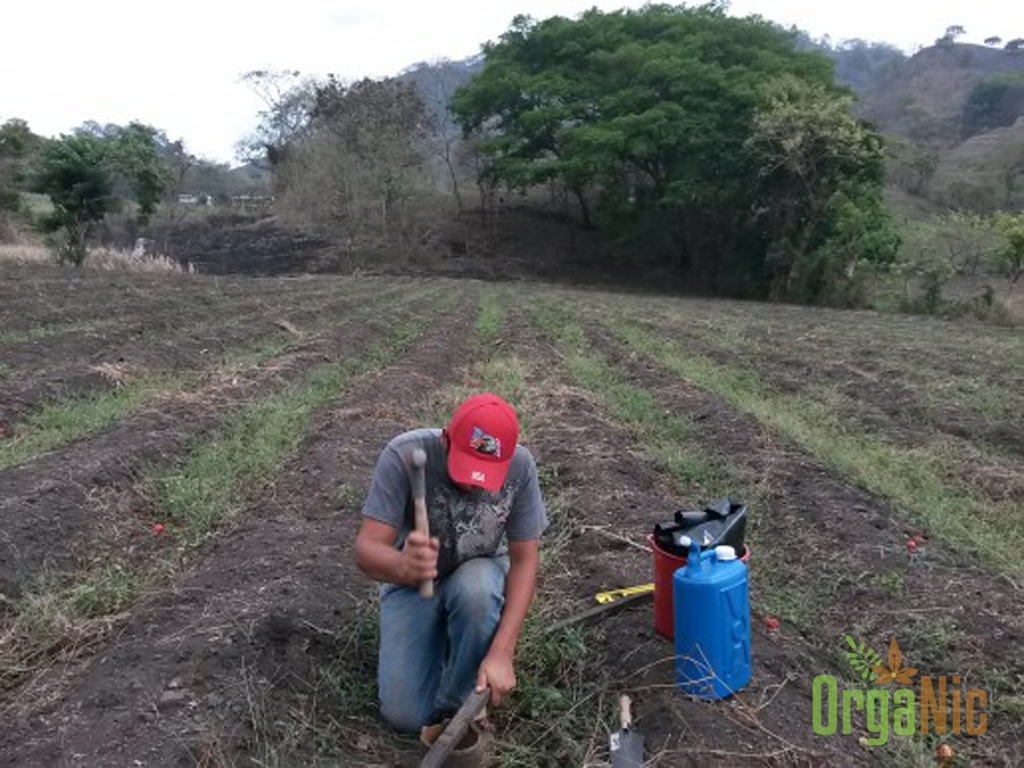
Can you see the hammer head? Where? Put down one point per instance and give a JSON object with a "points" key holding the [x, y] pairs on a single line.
{"points": [[417, 475], [419, 458]]}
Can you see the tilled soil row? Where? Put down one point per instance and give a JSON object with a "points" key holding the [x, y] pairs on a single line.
{"points": [[849, 547], [179, 338], [34, 296], [53, 505], [884, 386], [613, 486], [153, 310], [199, 672]]}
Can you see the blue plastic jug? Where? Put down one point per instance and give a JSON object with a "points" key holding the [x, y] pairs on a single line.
{"points": [[712, 623]]}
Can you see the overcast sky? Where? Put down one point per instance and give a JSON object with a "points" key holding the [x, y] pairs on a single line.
{"points": [[176, 65]]}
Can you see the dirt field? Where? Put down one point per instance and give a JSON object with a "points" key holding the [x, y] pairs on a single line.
{"points": [[183, 459]]}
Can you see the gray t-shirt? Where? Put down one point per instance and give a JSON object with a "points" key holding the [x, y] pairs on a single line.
{"points": [[467, 525]]}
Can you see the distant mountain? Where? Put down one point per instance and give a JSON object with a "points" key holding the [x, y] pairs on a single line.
{"points": [[965, 103], [945, 93], [437, 81], [984, 172]]}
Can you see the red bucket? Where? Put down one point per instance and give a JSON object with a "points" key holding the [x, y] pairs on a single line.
{"points": [[665, 566]]}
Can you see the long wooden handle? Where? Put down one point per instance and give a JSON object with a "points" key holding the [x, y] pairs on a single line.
{"points": [[423, 526], [625, 716], [419, 500], [456, 729]]}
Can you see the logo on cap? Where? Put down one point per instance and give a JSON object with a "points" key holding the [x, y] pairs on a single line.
{"points": [[481, 442], [479, 477]]}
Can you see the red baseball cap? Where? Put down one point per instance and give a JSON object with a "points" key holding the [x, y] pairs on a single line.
{"points": [[482, 439]]}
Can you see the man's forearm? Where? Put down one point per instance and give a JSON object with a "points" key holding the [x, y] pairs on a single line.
{"points": [[521, 583]]}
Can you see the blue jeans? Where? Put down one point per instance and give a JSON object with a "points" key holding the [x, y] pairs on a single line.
{"points": [[430, 650]]}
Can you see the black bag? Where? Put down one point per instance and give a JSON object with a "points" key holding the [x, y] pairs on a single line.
{"points": [[723, 522]]}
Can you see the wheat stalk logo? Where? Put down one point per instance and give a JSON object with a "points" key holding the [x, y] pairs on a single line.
{"points": [[894, 672]]}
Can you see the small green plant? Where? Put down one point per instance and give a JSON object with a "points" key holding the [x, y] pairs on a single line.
{"points": [[53, 615], [892, 582], [349, 496]]}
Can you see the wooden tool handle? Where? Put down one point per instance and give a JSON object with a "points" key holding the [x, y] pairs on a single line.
{"points": [[423, 526], [625, 716], [419, 500], [456, 729]]}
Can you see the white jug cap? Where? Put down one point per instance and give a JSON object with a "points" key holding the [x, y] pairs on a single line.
{"points": [[684, 541], [725, 552]]}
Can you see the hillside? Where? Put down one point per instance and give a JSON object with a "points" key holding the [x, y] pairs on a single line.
{"points": [[989, 165], [924, 96]]}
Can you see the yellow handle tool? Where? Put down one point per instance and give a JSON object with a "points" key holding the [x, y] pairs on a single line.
{"points": [[612, 594]]}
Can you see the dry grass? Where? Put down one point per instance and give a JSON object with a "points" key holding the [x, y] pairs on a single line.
{"points": [[107, 259]]}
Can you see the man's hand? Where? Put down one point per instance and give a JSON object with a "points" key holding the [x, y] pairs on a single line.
{"points": [[497, 672], [419, 558]]}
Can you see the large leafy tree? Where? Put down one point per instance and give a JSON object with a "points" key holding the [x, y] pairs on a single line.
{"points": [[651, 111]]}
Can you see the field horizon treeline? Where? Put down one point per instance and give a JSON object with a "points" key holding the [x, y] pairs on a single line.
{"points": [[725, 155]]}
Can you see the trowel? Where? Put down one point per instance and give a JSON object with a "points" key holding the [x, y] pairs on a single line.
{"points": [[626, 746]]}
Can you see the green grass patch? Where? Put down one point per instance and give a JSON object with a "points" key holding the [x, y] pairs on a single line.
{"points": [[915, 479], [58, 329], [489, 317], [63, 422], [58, 618], [213, 482], [60, 423], [665, 436], [558, 697]]}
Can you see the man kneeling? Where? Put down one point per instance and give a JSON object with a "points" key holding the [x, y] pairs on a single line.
{"points": [[486, 516]]}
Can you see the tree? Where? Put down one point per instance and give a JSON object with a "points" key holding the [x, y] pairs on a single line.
{"points": [[1017, 44], [381, 124], [1009, 259], [912, 165], [808, 147], [72, 171], [994, 40], [17, 143], [91, 172], [649, 112], [135, 159], [289, 99], [994, 101], [359, 160], [949, 38], [436, 84]]}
